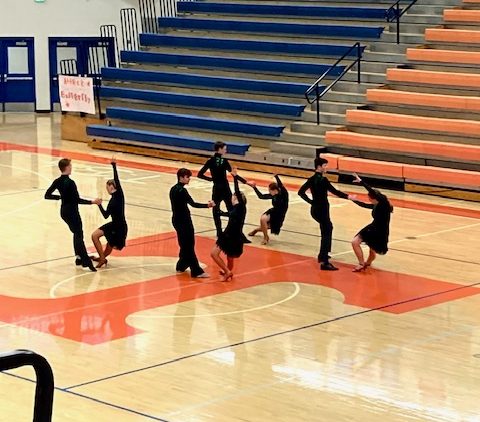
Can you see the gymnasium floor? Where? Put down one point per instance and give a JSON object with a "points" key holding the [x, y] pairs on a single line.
{"points": [[282, 342]]}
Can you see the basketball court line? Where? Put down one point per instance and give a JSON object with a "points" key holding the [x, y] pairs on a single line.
{"points": [[105, 403], [268, 336]]}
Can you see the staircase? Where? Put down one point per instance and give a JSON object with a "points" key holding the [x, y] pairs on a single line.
{"points": [[423, 125]]}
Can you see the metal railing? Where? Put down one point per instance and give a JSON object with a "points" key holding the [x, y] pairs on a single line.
{"points": [[149, 15], [315, 87], [128, 20], [394, 13], [42, 411]]}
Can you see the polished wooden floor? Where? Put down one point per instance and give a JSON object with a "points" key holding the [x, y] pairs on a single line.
{"points": [[282, 342]]}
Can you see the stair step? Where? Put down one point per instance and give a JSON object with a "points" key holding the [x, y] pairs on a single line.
{"points": [[193, 121], [229, 63], [294, 48], [444, 56], [360, 32], [196, 101], [466, 128], [126, 134], [214, 82], [452, 35], [310, 11]]}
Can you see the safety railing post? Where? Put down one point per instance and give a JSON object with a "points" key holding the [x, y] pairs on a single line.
{"points": [[317, 95]]}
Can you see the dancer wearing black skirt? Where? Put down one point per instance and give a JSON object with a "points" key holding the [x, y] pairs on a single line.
{"points": [[273, 218], [319, 187], [180, 199], [375, 235], [116, 231], [69, 210], [231, 240], [218, 167]]}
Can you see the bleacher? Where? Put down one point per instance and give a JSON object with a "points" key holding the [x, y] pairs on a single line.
{"points": [[426, 118], [238, 71]]}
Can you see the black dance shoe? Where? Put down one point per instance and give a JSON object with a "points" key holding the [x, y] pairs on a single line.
{"points": [[328, 267]]}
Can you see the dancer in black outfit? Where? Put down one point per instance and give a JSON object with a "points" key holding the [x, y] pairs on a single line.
{"points": [[69, 210], [116, 231], [218, 166], [180, 199], [319, 187], [375, 235], [273, 218], [231, 240]]}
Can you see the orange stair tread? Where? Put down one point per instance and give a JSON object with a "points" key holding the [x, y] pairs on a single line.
{"points": [[444, 56], [433, 148], [405, 121], [424, 99]]}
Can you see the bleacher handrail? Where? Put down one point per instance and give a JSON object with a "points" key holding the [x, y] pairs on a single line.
{"points": [[315, 87], [42, 411], [394, 13]]}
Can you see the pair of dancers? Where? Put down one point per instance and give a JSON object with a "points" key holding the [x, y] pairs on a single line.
{"points": [[115, 232], [231, 240], [375, 235]]}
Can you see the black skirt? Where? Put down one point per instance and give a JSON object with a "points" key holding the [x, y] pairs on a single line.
{"points": [[115, 234], [276, 220], [375, 238], [231, 245]]}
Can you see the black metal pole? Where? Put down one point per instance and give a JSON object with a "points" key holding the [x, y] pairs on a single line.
{"points": [[398, 22], [317, 95], [359, 56]]}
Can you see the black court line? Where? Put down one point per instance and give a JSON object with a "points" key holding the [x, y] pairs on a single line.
{"points": [[74, 393], [279, 333], [318, 236], [72, 256]]}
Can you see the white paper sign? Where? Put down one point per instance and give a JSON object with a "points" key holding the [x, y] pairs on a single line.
{"points": [[76, 94]]}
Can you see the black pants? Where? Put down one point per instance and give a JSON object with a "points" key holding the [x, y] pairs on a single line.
{"points": [[74, 222], [186, 241], [221, 193], [322, 216]]}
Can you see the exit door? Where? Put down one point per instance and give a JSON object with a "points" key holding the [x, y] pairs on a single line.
{"points": [[17, 74], [85, 56]]}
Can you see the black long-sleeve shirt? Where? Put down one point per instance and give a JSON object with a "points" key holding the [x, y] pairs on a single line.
{"points": [[68, 192], [116, 205], [180, 199], [319, 187], [236, 217], [280, 200], [380, 211], [218, 166]]}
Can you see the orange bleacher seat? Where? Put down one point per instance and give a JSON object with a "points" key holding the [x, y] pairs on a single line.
{"points": [[414, 146], [452, 35], [332, 160], [443, 56], [442, 176], [404, 121], [391, 96], [459, 15], [371, 167], [447, 79]]}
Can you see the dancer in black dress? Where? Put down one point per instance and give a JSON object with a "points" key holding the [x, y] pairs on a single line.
{"points": [[218, 167], [273, 218], [116, 231], [69, 210], [375, 235], [231, 240], [319, 187], [180, 199]]}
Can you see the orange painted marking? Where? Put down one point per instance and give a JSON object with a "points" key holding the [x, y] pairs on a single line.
{"points": [[401, 203], [99, 317]]}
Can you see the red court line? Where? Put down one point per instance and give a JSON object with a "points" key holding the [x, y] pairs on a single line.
{"points": [[400, 203]]}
